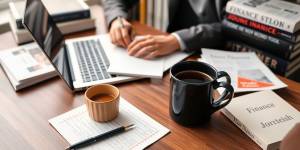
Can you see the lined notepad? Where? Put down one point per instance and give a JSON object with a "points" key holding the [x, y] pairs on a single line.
{"points": [[76, 125]]}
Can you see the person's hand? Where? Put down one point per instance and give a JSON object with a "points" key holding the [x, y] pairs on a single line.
{"points": [[152, 46], [121, 32]]}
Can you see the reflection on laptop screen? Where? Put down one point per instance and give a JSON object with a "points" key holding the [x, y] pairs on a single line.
{"points": [[45, 32]]}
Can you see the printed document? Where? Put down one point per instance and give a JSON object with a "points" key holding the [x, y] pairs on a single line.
{"points": [[246, 70], [76, 126]]}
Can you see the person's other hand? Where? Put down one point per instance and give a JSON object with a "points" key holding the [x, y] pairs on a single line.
{"points": [[152, 46], [121, 35]]}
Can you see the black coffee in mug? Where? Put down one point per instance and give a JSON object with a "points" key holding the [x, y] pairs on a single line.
{"points": [[191, 92], [193, 76]]}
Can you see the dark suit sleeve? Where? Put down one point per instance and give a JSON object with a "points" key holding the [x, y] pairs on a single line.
{"points": [[116, 8], [202, 36]]}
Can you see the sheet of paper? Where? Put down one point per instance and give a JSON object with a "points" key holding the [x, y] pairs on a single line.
{"points": [[76, 126], [123, 64], [246, 70]]}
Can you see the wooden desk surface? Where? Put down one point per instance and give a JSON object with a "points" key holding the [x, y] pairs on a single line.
{"points": [[24, 115]]}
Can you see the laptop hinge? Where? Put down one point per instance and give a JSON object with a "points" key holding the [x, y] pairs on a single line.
{"points": [[69, 64]]}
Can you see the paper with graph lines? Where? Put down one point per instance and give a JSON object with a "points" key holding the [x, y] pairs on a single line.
{"points": [[76, 126]]}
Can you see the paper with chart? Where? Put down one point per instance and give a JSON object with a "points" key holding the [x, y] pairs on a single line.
{"points": [[76, 126], [246, 70]]}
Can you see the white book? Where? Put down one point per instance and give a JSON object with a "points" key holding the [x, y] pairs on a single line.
{"points": [[264, 116], [26, 65], [276, 13], [76, 125], [165, 15]]}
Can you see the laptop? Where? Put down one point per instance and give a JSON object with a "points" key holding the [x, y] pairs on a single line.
{"points": [[80, 62]]}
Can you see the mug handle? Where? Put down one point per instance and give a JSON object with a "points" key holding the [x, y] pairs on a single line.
{"points": [[228, 93]]}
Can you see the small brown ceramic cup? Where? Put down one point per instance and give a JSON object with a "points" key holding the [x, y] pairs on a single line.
{"points": [[102, 102]]}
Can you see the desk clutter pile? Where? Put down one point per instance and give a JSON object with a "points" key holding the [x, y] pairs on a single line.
{"points": [[73, 18], [269, 28], [33, 66]]}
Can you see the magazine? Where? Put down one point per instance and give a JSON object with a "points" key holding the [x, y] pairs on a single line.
{"points": [[26, 65], [246, 70]]}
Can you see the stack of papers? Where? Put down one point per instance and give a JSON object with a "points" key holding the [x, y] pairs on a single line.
{"points": [[246, 70], [137, 67], [76, 126]]}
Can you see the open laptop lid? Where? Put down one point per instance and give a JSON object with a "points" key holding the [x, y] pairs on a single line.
{"points": [[45, 32]]}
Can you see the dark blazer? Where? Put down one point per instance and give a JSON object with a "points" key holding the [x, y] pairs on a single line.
{"points": [[198, 27]]}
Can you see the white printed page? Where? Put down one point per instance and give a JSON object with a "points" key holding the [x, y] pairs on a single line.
{"points": [[246, 70], [76, 126]]}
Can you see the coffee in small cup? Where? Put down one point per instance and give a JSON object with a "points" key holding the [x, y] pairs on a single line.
{"points": [[102, 98], [102, 102]]}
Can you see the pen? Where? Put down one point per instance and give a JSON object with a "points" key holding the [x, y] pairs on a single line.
{"points": [[100, 137], [121, 22]]}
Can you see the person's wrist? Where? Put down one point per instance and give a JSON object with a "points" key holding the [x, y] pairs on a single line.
{"points": [[114, 22], [174, 42]]}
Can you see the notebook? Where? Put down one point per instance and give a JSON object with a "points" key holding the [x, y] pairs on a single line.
{"points": [[76, 126], [132, 66]]}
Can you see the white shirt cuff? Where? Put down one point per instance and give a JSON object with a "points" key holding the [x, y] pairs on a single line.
{"points": [[181, 43]]}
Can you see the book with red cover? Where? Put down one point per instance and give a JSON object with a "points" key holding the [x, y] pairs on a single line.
{"points": [[275, 32]]}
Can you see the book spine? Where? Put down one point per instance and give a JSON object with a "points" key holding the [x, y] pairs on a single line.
{"points": [[240, 125], [252, 13], [71, 16], [143, 11], [275, 32], [157, 14], [276, 64], [256, 38], [165, 15], [150, 13]]}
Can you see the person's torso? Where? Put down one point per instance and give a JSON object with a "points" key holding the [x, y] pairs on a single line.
{"points": [[187, 13]]}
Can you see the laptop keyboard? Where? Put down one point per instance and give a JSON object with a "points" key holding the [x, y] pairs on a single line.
{"points": [[92, 60]]}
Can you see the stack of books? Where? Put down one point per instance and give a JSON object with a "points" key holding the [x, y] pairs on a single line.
{"points": [[71, 16], [154, 13], [271, 28]]}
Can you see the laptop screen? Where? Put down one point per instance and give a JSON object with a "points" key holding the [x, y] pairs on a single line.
{"points": [[47, 35]]}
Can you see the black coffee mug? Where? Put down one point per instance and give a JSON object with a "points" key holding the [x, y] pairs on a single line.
{"points": [[191, 92]]}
